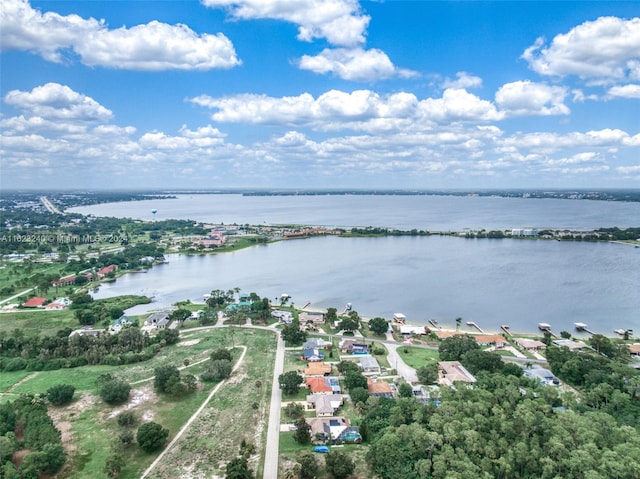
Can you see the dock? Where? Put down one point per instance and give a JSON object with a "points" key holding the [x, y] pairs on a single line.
{"points": [[505, 328], [434, 323], [544, 327], [474, 325], [582, 328]]}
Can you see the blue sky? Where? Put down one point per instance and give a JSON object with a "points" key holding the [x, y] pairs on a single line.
{"points": [[319, 93]]}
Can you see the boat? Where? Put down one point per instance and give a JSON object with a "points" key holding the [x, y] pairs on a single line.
{"points": [[622, 332]]}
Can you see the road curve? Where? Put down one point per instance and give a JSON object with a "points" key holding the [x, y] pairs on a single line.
{"points": [[273, 431]]}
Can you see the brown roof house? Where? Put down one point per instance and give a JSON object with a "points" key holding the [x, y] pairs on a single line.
{"points": [[450, 372]]}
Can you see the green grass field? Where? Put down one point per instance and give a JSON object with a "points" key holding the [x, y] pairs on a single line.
{"points": [[418, 357]]}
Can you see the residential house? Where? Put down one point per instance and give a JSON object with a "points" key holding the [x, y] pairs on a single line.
{"points": [[311, 318], [317, 343], [491, 340], [529, 344], [325, 404], [58, 304], [285, 317], [380, 388], [450, 372], [407, 330], [568, 343], [318, 385], [317, 368], [369, 364], [106, 270], [34, 302], [336, 429], [159, 320], [87, 331], [66, 281], [349, 346], [312, 354], [122, 322], [634, 349], [323, 385], [215, 238], [543, 375], [446, 334]]}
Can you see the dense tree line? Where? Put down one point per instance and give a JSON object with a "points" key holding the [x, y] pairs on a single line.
{"points": [[25, 425], [505, 427], [37, 353]]}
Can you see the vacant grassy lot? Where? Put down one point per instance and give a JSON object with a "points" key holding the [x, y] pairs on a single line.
{"points": [[418, 357], [238, 411]]}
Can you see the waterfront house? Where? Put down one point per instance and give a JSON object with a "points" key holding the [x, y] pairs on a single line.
{"points": [[450, 372], [106, 270], [325, 404], [568, 343], [158, 320], [285, 317], [491, 340], [310, 318], [634, 349], [87, 331], [529, 344]]}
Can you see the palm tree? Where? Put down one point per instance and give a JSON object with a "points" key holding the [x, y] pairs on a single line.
{"points": [[458, 322]]}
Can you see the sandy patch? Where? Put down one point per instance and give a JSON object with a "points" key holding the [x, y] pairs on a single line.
{"points": [[189, 343], [138, 396]]}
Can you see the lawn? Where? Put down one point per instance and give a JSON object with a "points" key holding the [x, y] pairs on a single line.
{"points": [[418, 357]]}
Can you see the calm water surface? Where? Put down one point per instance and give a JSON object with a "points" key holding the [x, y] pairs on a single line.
{"points": [[491, 282], [436, 213]]}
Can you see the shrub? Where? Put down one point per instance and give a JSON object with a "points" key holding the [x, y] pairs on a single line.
{"points": [[151, 436], [60, 394], [126, 418], [115, 391]]}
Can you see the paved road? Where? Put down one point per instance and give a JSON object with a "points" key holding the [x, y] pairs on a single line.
{"points": [[395, 361], [273, 432]]}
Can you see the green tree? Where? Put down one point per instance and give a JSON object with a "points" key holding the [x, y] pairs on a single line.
{"points": [[339, 464], [115, 391], [355, 379], [359, 395], [476, 361], [294, 410], [126, 418], [217, 370], [290, 382], [308, 465], [428, 374], [302, 434], [349, 323], [378, 325], [405, 390], [151, 436], [165, 376], [221, 353], [238, 468], [331, 316], [292, 334], [60, 394], [452, 348]]}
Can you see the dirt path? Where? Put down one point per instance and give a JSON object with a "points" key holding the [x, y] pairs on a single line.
{"points": [[140, 381], [22, 381], [193, 417]]}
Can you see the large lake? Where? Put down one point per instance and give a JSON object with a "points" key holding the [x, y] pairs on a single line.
{"points": [[439, 213], [491, 282]]}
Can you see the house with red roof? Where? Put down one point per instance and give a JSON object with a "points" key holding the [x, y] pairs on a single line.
{"points": [[106, 270], [34, 302]]}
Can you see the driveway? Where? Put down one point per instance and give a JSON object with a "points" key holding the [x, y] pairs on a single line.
{"points": [[273, 432], [395, 361]]}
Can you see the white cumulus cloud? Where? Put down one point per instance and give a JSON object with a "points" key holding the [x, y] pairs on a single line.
{"points": [[528, 98], [606, 49], [463, 80], [150, 47], [354, 64], [55, 101], [340, 22], [625, 91]]}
